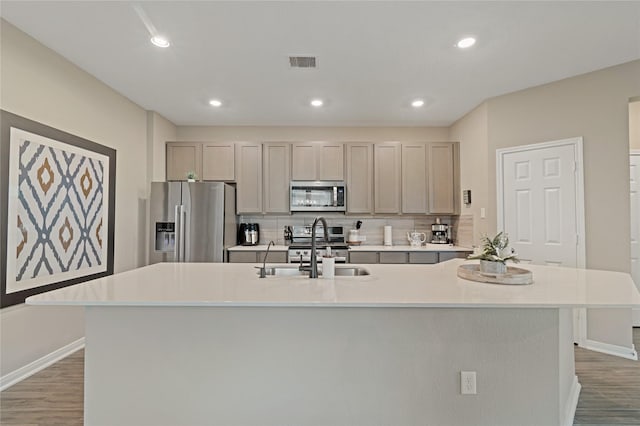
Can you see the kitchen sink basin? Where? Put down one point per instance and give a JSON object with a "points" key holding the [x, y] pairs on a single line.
{"points": [[341, 271]]}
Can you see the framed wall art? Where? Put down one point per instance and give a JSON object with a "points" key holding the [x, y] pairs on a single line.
{"points": [[57, 217]]}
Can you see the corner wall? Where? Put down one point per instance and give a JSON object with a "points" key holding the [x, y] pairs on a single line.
{"points": [[473, 134], [41, 85]]}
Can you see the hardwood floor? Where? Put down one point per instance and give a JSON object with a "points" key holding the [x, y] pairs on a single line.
{"points": [[610, 392], [53, 396]]}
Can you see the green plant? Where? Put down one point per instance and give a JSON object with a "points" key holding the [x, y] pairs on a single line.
{"points": [[496, 249], [192, 175]]}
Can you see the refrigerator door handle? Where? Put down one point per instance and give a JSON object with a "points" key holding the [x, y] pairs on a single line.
{"points": [[177, 234], [182, 235]]}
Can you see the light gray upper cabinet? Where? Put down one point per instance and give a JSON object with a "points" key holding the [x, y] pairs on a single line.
{"points": [[249, 182], [277, 176], [317, 161], [218, 161], [359, 180], [387, 179], [414, 178], [182, 158], [443, 177]]}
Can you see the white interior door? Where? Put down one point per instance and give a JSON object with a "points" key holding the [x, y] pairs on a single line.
{"points": [[540, 204], [541, 207], [634, 161]]}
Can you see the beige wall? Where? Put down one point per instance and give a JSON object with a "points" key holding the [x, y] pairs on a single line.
{"points": [[160, 130], [40, 85], [296, 134], [634, 124], [472, 133], [594, 106]]}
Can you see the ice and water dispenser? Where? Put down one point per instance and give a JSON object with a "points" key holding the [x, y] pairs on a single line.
{"points": [[165, 236]]}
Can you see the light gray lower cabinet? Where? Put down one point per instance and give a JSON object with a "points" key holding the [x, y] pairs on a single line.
{"points": [[400, 257], [257, 257], [395, 257], [420, 257], [363, 257], [448, 255]]}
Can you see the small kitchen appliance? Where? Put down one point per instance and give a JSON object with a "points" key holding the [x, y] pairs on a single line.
{"points": [[248, 234], [440, 233]]}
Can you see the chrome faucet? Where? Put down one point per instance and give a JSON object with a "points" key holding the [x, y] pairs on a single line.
{"points": [[313, 270], [263, 269]]}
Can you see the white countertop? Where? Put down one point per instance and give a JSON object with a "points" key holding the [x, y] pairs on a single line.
{"points": [[237, 284], [426, 247]]}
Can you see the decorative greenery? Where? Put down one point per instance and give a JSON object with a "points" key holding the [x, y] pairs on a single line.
{"points": [[496, 249], [192, 175]]}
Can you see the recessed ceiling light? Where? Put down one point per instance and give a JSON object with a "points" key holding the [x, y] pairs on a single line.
{"points": [[160, 41], [215, 103], [417, 103], [317, 102], [466, 42]]}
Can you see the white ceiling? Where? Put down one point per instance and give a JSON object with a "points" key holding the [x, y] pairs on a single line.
{"points": [[374, 57]]}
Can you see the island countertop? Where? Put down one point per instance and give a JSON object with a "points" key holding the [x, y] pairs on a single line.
{"points": [[229, 284]]}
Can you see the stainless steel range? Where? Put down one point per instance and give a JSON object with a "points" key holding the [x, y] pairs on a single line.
{"points": [[300, 247]]}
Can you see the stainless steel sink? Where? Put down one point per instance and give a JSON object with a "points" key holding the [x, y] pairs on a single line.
{"points": [[341, 271]]}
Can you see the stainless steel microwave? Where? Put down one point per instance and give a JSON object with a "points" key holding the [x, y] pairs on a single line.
{"points": [[318, 196]]}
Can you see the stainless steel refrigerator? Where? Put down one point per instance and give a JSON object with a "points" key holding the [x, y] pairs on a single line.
{"points": [[192, 221]]}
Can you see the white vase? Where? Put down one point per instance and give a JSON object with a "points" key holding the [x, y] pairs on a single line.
{"points": [[490, 267]]}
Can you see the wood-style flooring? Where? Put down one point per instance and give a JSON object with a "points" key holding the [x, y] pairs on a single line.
{"points": [[610, 392]]}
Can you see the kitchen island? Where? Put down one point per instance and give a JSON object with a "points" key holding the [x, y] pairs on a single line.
{"points": [[213, 344]]}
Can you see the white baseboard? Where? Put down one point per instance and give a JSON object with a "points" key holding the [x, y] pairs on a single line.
{"points": [[609, 349], [572, 402], [30, 369]]}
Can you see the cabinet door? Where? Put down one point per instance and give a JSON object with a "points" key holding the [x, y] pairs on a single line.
{"points": [[414, 178], [448, 255], [363, 257], [396, 257], [331, 161], [182, 158], [304, 163], [277, 176], [387, 181], [249, 184], [218, 161], [359, 178], [423, 257], [243, 257], [443, 181]]}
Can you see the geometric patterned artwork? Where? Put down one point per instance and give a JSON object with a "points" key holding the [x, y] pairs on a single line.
{"points": [[58, 211], [59, 215]]}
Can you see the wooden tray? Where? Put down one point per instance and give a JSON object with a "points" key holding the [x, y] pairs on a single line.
{"points": [[514, 276]]}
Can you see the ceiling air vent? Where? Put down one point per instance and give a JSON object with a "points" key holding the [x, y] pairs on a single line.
{"points": [[302, 61]]}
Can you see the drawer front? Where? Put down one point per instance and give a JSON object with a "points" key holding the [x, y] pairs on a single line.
{"points": [[448, 255], [430, 257], [242, 257], [397, 257], [363, 257], [273, 257]]}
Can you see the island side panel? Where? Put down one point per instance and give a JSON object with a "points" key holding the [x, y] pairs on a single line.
{"points": [[310, 366]]}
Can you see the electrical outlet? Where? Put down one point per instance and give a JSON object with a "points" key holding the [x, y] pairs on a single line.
{"points": [[468, 382]]}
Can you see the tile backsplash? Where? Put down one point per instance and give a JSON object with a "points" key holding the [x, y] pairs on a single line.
{"points": [[272, 227]]}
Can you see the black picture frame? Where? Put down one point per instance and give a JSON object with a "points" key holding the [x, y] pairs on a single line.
{"points": [[7, 121]]}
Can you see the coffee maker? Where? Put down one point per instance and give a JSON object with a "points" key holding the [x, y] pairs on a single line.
{"points": [[440, 233], [248, 234]]}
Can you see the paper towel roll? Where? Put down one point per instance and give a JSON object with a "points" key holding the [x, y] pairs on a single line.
{"points": [[387, 236]]}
